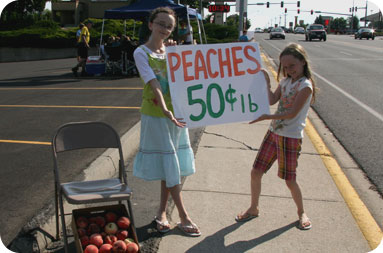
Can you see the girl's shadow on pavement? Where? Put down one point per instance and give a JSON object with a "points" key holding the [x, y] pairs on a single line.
{"points": [[215, 242]]}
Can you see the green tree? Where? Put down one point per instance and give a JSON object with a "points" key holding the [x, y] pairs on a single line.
{"points": [[319, 20], [338, 24], [22, 13], [355, 22], [233, 20]]}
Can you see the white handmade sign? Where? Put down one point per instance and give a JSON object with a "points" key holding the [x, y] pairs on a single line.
{"points": [[217, 83]]}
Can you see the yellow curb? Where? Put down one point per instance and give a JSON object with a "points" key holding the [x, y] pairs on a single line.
{"points": [[358, 209]]}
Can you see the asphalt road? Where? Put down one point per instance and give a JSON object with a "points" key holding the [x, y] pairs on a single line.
{"points": [[27, 92], [349, 76]]}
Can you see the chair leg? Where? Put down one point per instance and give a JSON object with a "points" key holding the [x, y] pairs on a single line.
{"points": [[63, 224], [57, 214]]}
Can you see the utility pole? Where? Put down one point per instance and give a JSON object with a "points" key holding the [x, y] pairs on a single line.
{"points": [[241, 9], [365, 16]]}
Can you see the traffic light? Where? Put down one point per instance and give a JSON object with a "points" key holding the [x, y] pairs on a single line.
{"points": [[285, 10], [356, 9], [312, 12], [267, 4], [282, 4], [299, 4], [298, 11]]}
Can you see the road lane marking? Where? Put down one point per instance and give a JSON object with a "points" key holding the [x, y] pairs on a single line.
{"points": [[77, 88], [362, 216], [359, 211], [26, 142], [345, 53], [70, 106], [352, 98], [346, 94]]}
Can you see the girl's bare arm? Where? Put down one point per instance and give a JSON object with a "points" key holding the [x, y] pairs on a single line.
{"points": [[299, 102], [273, 96], [156, 87]]}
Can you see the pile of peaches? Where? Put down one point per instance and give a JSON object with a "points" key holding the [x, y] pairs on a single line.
{"points": [[105, 234]]}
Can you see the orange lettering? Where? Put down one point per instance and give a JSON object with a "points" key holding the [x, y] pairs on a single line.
{"points": [[223, 63], [236, 61], [208, 59], [185, 66], [200, 65], [252, 71], [173, 67]]}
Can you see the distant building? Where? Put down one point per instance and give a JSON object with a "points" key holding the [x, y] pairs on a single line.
{"points": [[373, 17], [71, 13]]}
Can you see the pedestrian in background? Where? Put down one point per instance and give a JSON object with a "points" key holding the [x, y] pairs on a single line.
{"points": [[78, 33], [185, 33], [244, 38], [82, 50], [165, 152], [283, 140]]}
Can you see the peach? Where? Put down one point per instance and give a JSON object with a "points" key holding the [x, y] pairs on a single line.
{"points": [[96, 239], [111, 228], [123, 222], [100, 221], [128, 240], [119, 247], [110, 239], [91, 249], [82, 222], [106, 248], [110, 217], [132, 248], [81, 232], [93, 228], [84, 241], [122, 234]]}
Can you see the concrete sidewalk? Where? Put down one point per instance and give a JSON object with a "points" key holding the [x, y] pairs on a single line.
{"points": [[220, 190]]}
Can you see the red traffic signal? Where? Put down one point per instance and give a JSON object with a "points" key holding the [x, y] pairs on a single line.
{"points": [[312, 12], [298, 11], [285, 10]]}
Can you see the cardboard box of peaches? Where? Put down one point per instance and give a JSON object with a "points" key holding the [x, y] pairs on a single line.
{"points": [[104, 229]]}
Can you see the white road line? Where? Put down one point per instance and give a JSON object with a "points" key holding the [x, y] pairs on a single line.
{"points": [[352, 98], [345, 53]]}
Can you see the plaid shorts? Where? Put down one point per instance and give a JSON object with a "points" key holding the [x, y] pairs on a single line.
{"points": [[287, 151]]}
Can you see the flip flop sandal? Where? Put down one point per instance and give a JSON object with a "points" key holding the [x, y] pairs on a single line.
{"points": [[165, 225], [186, 229], [245, 217], [300, 224]]}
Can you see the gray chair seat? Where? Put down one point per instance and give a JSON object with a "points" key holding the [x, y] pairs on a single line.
{"points": [[96, 191]]}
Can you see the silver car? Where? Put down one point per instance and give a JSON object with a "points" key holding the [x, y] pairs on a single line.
{"points": [[277, 33]]}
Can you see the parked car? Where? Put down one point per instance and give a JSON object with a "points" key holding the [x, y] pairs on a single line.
{"points": [[365, 33], [300, 30], [316, 31], [277, 33]]}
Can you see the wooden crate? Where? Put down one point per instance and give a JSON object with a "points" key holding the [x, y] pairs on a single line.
{"points": [[119, 209]]}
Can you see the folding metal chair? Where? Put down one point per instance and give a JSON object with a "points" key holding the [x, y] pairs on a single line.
{"points": [[84, 135]]}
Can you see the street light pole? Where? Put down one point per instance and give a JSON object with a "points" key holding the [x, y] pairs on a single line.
{"points": [[241, 9]]}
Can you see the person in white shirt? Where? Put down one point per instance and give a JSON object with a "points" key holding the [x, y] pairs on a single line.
{"points": [[283, 140]]}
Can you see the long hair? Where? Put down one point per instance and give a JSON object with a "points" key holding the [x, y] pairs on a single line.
{"points": [[298, 52]]}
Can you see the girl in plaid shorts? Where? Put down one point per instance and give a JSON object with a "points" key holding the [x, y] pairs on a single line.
{"points": [[283, 140]]}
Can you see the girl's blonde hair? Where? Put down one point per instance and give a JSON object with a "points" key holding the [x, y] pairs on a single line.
{"points": [[298, 52]]}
